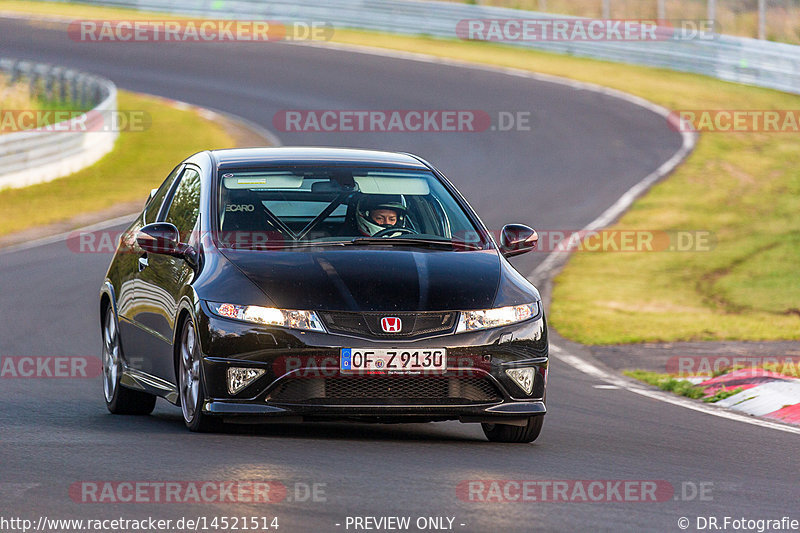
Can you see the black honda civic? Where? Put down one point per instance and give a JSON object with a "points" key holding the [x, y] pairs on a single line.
{"points": [[303, 284]]}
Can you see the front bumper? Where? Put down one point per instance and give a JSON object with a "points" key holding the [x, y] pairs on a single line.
{"points": [[245, 412], [301, 379]]}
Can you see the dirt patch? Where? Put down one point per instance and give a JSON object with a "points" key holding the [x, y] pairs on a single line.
{"points": [[243, 135]]}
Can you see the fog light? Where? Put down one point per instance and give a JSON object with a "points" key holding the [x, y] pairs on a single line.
{"points": [[239, 378], [523, 377]]}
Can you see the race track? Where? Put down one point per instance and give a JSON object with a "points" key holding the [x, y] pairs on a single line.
{"points": [[583, 152]]}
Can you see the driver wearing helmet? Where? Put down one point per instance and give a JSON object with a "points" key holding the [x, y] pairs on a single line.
{"points": [[380, 213]]}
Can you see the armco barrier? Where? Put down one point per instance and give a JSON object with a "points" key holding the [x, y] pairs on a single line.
{"points": [[37, 156], [749, 61]]}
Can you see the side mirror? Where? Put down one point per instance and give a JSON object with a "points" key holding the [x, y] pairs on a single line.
{"points": [[152, 193], [163, 238], [516, 239]]}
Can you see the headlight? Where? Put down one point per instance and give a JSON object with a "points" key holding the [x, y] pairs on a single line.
{"points": [[271, 316], [492, 318]]}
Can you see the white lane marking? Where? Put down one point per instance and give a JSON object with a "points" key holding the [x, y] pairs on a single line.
{"points": [[689, 138], [555, 259], [605, 387], [64, 236], [590, 369], [211, 113], [15, 490], [259, 130]]}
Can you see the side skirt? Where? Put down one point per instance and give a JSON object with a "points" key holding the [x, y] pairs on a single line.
{"points": [[138, 380]]}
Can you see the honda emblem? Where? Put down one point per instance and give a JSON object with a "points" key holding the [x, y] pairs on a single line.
{"points": [[391, 324]]}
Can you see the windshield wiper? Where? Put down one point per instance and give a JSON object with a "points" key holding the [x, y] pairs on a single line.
{"points": [[415, 242], [278, 245]]}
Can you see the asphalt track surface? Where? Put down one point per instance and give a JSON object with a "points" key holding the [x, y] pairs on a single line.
{"points": [[583, 152]]}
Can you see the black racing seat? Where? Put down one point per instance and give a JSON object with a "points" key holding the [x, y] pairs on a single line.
{"points": [[244, 220]]}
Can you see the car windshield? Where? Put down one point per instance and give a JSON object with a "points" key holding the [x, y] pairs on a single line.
{"points": [[302, 206]]}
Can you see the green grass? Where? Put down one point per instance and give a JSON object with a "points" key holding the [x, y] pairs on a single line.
{"points": [[724, 370], [721, 394], [75, 10], [680, 387], [744, 188], [21, 96], [140, 161], [667, 383], [789, 368], [16, 97]]}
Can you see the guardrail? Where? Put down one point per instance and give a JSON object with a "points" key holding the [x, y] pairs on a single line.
{"points": [[738, 59], [44, 154]]}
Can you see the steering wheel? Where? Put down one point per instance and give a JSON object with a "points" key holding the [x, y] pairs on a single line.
{"points": [[389, 231]]}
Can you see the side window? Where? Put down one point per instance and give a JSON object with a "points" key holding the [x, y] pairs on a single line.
{"points": [[185, 207], [153, 206]]}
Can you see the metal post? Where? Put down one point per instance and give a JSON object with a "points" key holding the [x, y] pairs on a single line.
{"points": [[62, 87], [712, 13], [606, 9], [661, 10], [542, 5], [762, 19]]}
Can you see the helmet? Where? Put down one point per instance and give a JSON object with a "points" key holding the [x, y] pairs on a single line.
{"points": [[370, 203]]}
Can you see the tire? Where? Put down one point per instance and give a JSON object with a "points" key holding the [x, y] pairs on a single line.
{"points": [[191, 382], [518, 434], [119, 400]]}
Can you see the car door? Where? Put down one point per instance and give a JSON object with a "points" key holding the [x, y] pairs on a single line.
{"points": [[162, 277], [136, 339]]}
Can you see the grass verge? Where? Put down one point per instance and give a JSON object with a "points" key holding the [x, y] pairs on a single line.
{"points": [[680, 387], [15, 96], [742, 187], [123, 175], [733, 18], [16, 101], [667, 383], [721, 394]]}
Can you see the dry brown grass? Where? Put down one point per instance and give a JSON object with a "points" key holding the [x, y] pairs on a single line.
{"points": [[15, 96], [734, 17]]}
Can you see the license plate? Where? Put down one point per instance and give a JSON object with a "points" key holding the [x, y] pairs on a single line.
{"points": [[392, 361]]}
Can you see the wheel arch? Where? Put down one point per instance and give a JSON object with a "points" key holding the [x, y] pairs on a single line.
{"points": [[108, 298], [186, 309]]}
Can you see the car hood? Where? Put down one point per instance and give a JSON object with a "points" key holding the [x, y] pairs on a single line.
{"points": [[373, 279]]}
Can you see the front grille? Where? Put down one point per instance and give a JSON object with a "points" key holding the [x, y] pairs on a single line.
{"points": [[369, 324], [386, 390]]}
